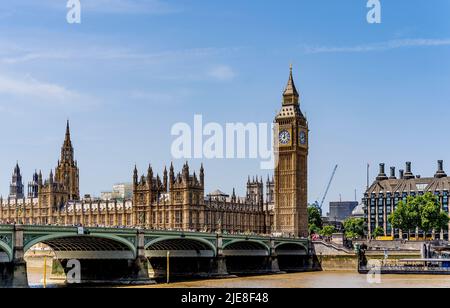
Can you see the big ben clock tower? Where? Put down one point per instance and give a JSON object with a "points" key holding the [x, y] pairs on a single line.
{"points": [[291, 165]]}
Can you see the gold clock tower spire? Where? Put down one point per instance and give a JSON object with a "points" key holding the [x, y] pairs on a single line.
{"points": [[291, 169]]}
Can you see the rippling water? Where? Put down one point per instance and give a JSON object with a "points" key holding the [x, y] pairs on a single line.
{"points": [[299, 280], [321, 280]]}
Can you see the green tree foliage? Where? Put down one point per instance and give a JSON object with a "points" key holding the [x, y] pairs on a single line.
{"points": [[314, 220], [313, 229], [354, 228], [327, 231], [377, 232], [423, 212]]}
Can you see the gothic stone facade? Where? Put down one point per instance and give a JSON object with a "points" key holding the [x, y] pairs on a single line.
{"points": [[177, 201]]}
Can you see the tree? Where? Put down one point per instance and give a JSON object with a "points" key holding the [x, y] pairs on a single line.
{"points": [[313, 229], [399, 218], [314, 220], [327, 231], [314, 216], [423, 212], [431, 215], [406, 216], [378, 232], [354, 228]]}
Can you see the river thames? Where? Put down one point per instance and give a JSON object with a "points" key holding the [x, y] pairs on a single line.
{"points": [[298, 280]]}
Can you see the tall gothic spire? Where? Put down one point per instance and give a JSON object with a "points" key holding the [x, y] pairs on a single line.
{"points": [[67, 141], [67, 149], [290, 95], [67, 173]]}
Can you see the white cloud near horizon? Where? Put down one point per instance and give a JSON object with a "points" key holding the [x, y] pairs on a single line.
{"points": [[381, 46], [29, 89]]}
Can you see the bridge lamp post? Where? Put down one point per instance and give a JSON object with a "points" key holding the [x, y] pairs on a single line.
{"points": [[168, 267]]}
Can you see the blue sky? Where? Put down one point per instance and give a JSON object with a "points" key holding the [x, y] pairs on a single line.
{"points": [[131, 69]]}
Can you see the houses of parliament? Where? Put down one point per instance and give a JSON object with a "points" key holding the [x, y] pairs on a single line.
{"points": [[177, 201]]}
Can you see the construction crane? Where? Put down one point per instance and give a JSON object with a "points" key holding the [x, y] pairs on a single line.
{"points": [[316, 204]]}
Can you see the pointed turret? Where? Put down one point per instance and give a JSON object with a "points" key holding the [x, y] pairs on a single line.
{"points": [[135, 175], [290, 94], [40, 178], [202, 176], [150, 175], [186, 172], [17, 169], [165, 179], [171, 174], [158, 182], [67, 140]]}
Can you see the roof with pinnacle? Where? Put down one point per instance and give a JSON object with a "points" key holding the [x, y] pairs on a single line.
{"points": [[290, 87], [67, 141]]}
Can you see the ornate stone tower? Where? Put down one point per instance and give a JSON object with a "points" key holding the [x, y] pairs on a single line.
{"points": [[16, 187], [291, 167], [33, 186], [255, 194], [146, 191], [67, 172]]}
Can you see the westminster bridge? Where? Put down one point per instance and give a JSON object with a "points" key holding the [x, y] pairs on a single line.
{"points": [[139, 256]]}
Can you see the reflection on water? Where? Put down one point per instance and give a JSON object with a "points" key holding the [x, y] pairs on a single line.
{"points": [[299, 280], [320, 280]]}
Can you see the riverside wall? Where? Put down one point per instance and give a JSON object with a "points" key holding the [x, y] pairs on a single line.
{"points": [[332, 257]]}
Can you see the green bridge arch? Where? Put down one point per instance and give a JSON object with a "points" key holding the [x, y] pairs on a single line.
{"points": [[7, 249], [247, 241], [168, 238], [303, 246], [50, 237]]}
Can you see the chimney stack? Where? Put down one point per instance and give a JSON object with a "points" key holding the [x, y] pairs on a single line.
{"points": [[393, 177], [408, 174], [440, 172], [402, 174], [382, 175]]}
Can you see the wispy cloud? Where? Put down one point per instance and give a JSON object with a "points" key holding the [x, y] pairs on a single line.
{"points": [[222, 73], [130, 7], [28, 89], [381, 46], [103, 6], [15, 54]]}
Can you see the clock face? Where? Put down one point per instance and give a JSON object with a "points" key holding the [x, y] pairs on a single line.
{"points": [[302, 138], [284, 137]]}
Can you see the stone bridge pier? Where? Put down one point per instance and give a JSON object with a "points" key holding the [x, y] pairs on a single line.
{"points": [[14, 272]]}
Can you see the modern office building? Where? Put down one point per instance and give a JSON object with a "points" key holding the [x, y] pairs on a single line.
{"points": [[340, 211]]}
